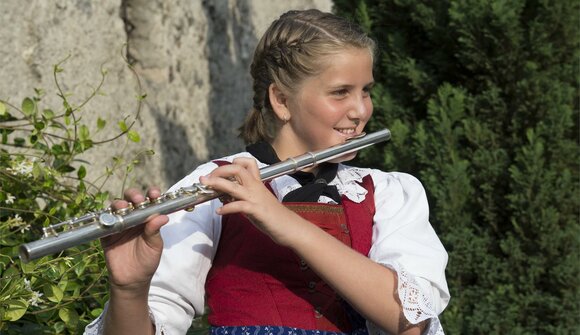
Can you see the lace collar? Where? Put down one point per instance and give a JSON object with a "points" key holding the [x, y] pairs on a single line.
{"points": [[347, 181]]}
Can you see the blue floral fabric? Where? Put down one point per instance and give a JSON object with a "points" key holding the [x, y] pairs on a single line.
{"points": [[276, 330]]}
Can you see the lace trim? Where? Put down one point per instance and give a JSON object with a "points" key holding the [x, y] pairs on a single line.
{"points": [[417, 306], [347, 182]]}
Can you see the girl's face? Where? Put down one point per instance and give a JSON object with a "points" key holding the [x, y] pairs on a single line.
{"points": [[329, 108]]}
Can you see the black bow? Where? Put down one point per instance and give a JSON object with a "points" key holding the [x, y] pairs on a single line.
{"points": [[313, 186]]}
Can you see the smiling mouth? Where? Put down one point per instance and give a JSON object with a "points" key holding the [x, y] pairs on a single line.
{"points": [[346, 131]]}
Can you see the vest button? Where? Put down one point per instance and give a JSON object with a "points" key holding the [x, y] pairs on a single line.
{"points": [[303, 265], [318, 312], [312, 286], [344, 228]]}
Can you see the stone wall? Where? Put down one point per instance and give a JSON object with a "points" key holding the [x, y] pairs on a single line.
{"points": [[191, 58]]}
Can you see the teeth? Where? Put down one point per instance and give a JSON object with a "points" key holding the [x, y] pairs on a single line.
{"points": [[345, 131]]}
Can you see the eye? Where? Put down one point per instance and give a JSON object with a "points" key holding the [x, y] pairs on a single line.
{"points": [[340, 92], [367, 90]]}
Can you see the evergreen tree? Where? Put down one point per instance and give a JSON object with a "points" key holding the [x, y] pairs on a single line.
{"points": [[482, 99]]}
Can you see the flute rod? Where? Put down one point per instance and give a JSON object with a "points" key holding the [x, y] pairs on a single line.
{"points": [[107, 222]]}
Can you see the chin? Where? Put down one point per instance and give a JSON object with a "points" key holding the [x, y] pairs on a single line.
{"points": [[344, 158]]}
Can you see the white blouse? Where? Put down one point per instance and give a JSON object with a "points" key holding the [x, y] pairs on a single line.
{"points": [[402, 240]]}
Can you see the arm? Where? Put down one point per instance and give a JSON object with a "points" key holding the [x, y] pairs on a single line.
{"points": [[153, 291], [128, 312], [368, 286], [132, 257]]}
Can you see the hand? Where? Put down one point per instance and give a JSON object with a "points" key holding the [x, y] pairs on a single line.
{"points": [[133, 255], [246, 193]]}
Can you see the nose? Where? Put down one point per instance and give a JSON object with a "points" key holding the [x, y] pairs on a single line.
{"points": [[361, 108]]}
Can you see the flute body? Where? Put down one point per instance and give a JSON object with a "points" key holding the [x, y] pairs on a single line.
{"points": [[97, 225]]}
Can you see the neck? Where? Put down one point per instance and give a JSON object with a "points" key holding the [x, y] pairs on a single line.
{"points": [[285, 149]]}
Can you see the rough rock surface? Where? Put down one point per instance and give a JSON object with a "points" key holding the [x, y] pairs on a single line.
{"points": [[191, 57]]}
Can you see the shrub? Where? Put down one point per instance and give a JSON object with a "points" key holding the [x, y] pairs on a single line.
{"points": [[482, 100], [43, 180]]}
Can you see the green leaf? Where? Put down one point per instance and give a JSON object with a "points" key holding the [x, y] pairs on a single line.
{"points": [[28, 106], [39, 125], [52, 292], [28, 267], [65, 168], [19, 141], [96, 312], [59, 327], [2, 109], [133, 136], [57, 149], [16, 309], [84, 132], [82, 172], [69, 316], [48, 113], [123, 126], [101, 123]]}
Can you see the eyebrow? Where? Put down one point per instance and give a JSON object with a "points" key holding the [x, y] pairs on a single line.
{"points": [[372, 83]]}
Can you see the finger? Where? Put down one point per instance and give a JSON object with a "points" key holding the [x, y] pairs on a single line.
{"points": [[134, 195], [153, 192], [151, 232], [250, 165], [232, 208], [222, 185], [119, 203], [226, 171]]}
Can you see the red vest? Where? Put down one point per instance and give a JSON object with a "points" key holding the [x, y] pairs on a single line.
{"points": [[254, 281]]}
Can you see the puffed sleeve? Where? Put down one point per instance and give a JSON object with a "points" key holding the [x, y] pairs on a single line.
{"points": [[405, 241], [177, 289]]}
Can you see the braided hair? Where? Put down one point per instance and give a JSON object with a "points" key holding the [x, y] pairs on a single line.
{"points": [[294, 47]]}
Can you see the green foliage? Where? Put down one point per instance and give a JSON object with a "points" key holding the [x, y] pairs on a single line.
{"points": [[482, 100], [43, 181]]}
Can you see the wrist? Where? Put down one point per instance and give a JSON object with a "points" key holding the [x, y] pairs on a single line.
{"points": [[139, 291]]}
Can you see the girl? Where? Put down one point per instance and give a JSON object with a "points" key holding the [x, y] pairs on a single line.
{"points": [[335, 249]]}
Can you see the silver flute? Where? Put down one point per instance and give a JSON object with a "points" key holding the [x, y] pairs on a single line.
{"points": [[92, 226]]}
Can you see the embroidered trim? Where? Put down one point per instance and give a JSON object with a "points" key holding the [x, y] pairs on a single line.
{"points": [[336, 209], [417, 306]]}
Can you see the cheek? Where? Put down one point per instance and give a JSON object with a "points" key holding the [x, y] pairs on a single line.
{"points": [[368, 109]]}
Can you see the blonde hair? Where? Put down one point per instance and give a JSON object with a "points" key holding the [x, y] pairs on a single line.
{"points": [[294, 47]]}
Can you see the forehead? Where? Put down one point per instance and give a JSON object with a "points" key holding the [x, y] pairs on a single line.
{"points": [[351, 66]]}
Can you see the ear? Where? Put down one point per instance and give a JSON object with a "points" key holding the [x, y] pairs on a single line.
{"points": [[279, 102]]}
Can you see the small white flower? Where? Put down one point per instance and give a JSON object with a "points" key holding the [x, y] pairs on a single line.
{"points": [[35, 299], [27, 284], [18, 223], [10, 198], [17, 220], [24, 228], [23, 168]]}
